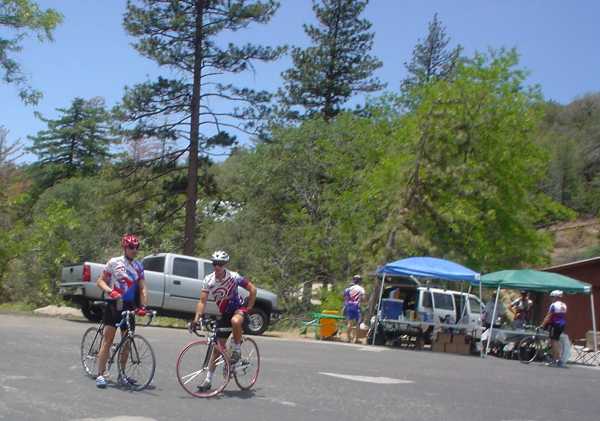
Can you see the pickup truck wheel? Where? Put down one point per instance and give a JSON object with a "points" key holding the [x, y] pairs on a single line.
{"points": [[93, 314], [258, 321]]}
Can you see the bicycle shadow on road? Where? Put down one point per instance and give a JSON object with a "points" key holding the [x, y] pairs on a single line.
{"points": [[239, 394], [228, 394], [149, 390]]}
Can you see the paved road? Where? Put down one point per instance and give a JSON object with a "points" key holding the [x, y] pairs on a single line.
{"points": [[41, 379]]}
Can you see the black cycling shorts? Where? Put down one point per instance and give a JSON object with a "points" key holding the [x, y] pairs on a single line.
{"points": [[555, 331], [225, 321], [112, 316]]}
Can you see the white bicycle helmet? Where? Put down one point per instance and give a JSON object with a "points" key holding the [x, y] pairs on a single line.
{"points": [[220, 256], [556, 293]]}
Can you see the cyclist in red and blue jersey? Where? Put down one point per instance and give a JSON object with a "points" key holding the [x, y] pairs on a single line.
{"points": [[353, 296], [556, 320], [222, 287], [122, 281]]}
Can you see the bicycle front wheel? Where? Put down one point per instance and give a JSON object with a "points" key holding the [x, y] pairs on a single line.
{"points": [[90, 347], [528, 349], [136, 362], [193, 365], [245, 371]]}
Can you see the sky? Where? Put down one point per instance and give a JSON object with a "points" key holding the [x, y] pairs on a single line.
{"points": [[91, 55]]}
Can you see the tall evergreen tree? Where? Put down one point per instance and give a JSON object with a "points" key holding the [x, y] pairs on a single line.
{"points": [[77, 142], [336, 66], [20, 17], [432, 58], [182, 36]]}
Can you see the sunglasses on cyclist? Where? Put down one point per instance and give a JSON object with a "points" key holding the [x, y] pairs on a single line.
{"points": [[133, 247], [220, 264]]}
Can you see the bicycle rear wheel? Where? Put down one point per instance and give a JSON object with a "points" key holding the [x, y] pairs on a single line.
{"points": [[193, 365], [137, 362], [90, 347], [245, 371], [528, 349]]}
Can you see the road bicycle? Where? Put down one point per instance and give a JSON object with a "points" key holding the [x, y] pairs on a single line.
{"points": [[194, 362], [134, 355], [535, 347]]}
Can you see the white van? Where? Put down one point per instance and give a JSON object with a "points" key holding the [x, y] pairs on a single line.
{"points": [[436, 304]]}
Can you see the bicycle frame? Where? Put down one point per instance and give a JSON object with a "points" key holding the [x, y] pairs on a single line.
{"points": [[214, 341], [127, 331]]}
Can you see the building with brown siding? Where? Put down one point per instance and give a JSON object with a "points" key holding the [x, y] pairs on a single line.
{"points": [[579, 314]]}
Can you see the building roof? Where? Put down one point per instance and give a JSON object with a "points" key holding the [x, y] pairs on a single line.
{"points": [[585, 262]]}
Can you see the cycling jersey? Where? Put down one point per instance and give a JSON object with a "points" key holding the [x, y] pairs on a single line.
{"points": [[225, 291], [352, 298], [558, 313], [123, 275], [353, 295]]}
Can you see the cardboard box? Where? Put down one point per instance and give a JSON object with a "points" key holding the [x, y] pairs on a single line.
{"points": [[444, 338], [450, 348], [438, 347], [462, 348]]}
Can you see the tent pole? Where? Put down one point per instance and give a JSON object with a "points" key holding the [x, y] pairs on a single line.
{"points": [[480, 316], [377, 311], [465, 300], [487, 345], [594, 321]]}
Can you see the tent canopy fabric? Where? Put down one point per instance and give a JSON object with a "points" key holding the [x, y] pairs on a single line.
{"points": [[534, 280], [429, 267]]}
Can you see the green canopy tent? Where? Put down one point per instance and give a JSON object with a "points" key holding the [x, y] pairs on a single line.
{"points": [[535, 280]]}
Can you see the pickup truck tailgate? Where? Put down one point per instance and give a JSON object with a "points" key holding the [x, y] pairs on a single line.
{"points": [[72, 274]]}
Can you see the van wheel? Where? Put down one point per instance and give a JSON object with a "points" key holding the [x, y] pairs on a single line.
{"points": [[257, 322], [93, 314]]}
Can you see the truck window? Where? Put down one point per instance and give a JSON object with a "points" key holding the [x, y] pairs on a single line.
{"points": [[208, 268], [443, 301], [155, 264], [475, 306], [185, 267]]}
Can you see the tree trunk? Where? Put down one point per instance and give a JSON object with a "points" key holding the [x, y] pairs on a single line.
{"points": [[189, 242]]}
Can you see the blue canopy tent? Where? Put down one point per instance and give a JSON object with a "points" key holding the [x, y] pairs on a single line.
{"points": [[429, 267], [423, 267]]}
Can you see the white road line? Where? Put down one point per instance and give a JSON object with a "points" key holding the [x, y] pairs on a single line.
{"points": [[367, 379], [371, 349], [279, 401], [119, 418]]}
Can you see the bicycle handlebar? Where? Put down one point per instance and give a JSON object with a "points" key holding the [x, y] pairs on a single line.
{"points": [[207, 323], [126, 313]]}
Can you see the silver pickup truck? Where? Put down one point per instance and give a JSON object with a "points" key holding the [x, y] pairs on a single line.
{"points": [[173, 283]]}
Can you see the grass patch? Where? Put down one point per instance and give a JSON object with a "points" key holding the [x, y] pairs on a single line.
{"points": [[169, 322], [16, 307]]}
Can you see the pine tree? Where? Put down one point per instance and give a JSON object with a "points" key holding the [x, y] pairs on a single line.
{"points": [[182, 36], [21, 16], [336, 66], [76, 143], [432, 60]]}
